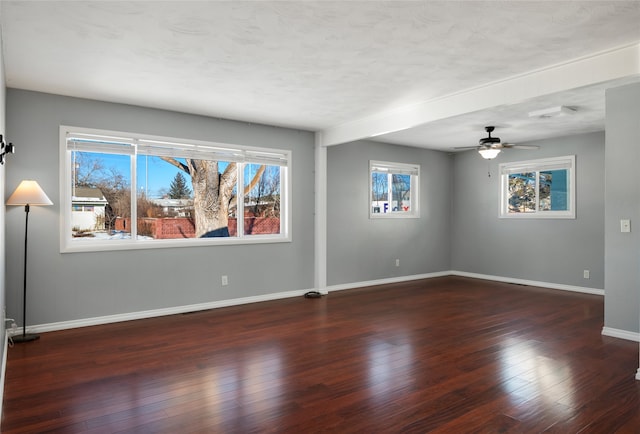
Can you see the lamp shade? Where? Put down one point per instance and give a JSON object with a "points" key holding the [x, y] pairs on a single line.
{"points": [[489, 153], [29, 193]]}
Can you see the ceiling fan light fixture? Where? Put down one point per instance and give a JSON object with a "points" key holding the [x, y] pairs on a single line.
{"points": [[489, 153]]}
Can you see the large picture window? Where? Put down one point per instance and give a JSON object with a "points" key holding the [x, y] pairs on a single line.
{"points": [[538, 188], [393, 190], [121, 190]]}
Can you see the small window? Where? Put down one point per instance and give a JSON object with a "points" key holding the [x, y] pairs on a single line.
{"points": [[393, 190], [538, 188]]}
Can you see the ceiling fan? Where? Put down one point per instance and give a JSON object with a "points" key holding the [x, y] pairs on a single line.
{"points": [[489, 147]]}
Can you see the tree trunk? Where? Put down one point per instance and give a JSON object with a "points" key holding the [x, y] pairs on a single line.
{"points": [[212, 193]]}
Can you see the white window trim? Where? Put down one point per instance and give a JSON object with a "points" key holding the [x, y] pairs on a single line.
{"points": [[401, 168], [565, 162], [237, 152]]}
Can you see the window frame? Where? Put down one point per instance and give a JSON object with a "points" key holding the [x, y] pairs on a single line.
{"points": [[567, 162], [239, 154], [391, 168]]}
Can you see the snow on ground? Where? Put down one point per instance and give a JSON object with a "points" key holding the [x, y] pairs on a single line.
{"points": [[117, 235]]}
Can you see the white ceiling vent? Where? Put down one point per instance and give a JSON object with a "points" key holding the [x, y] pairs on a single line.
{"points": [[553, 112]]}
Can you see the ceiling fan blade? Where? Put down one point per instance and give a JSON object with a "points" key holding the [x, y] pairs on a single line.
{"points": [[466, 147], [513, 146]]}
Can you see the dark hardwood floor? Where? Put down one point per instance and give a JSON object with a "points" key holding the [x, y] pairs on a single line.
{"points": [[447, 355]]}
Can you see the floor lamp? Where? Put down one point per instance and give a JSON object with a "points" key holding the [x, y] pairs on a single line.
{"points": [[28, 193]]}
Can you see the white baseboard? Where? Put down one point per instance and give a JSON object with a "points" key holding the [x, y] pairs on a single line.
{"points": [[621, 334], [63, 325], [386, 281], [550, 285]]}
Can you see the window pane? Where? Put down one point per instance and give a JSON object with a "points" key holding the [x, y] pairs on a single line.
{"points": [[100, 193], [164, 199], [401, 191], [261, 199], [379, 192], [554, 190], [522, 192], [180, 205]]}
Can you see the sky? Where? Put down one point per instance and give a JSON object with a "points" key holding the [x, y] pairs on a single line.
{"points": [[153, 175]]}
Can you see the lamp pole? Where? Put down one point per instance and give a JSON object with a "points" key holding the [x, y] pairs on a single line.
{"points": [[25, 337]]}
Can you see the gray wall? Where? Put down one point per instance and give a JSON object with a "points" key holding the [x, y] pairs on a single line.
{"points": [[556, 250], [363, 249], [70, 286], [622, 252]]}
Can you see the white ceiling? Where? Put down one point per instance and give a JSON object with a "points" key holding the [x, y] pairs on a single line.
{"points": [[406, 72]]}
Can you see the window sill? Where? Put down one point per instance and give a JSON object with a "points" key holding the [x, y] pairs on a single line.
{"points": [[78, 246]]}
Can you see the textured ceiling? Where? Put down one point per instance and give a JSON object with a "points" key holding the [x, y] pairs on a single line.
{"points": [[316, 64]]}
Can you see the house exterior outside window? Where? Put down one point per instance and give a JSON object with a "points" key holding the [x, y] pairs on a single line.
{"points": [[544, 188], [393, 190]]}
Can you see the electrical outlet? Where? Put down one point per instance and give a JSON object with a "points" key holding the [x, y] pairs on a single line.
{"points": [[225, 280], [625, 225], [397, 262], [585, 274]]}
